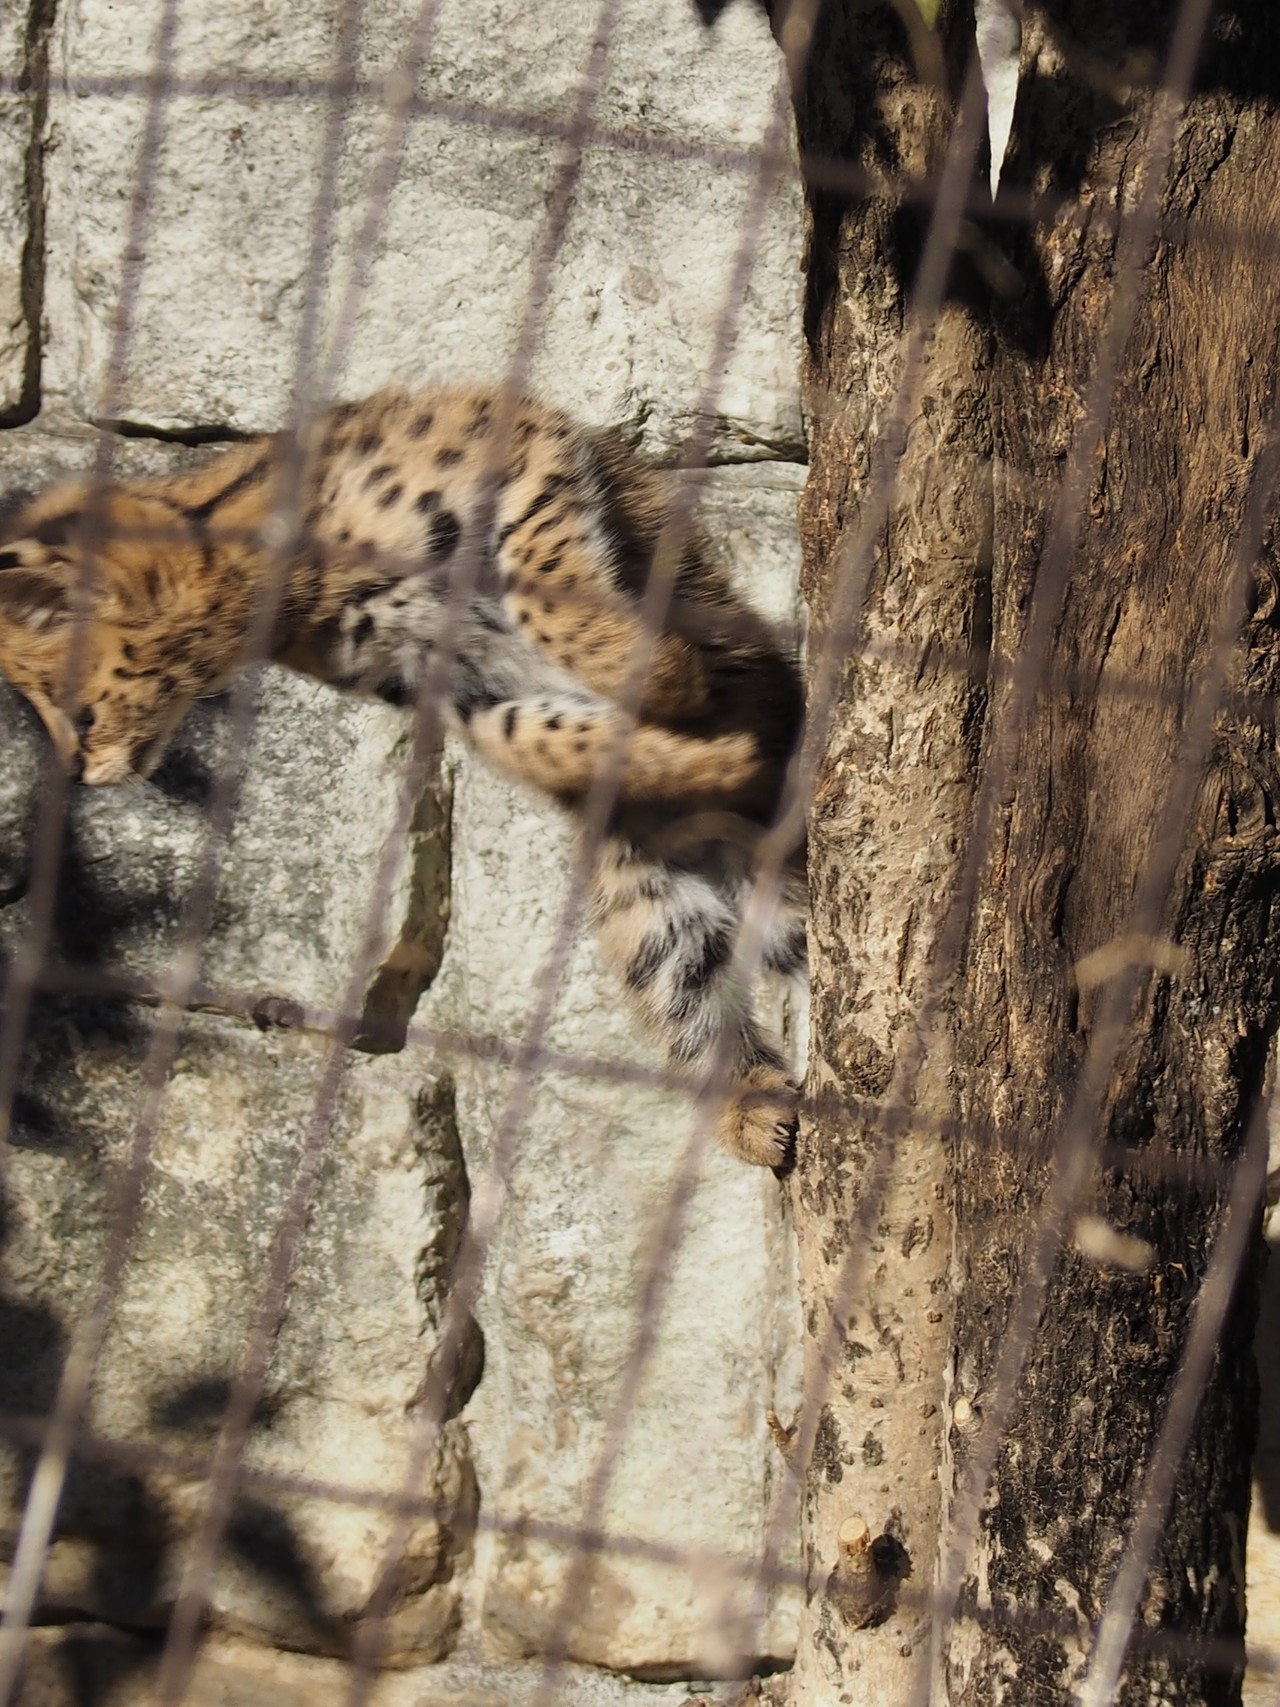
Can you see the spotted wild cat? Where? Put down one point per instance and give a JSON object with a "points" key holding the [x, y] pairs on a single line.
{"points": [[546, 533]]}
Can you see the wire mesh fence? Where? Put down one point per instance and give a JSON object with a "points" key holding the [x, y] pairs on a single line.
{"points": [[949, 199]]}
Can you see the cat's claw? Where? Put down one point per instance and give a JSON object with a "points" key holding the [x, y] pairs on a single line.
{"points": [[759, 1121]]}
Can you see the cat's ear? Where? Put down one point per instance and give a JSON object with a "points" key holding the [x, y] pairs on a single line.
{"points": [[35, 587]]}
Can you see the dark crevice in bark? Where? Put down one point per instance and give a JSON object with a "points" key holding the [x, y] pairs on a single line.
{"points": [[1085, 840]]}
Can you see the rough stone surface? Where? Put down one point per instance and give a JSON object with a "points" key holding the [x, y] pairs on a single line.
{"points": [[337, 1401], [230, 200], [288, 917], [586, 1192], [223, 220], [695, 1469], [93, 1662], [17, 116]]}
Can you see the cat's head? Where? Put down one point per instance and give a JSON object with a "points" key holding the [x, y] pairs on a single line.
{"points": [[91, 630]]}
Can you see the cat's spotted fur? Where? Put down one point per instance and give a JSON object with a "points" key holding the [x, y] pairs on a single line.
{"points": [[551, 530]]}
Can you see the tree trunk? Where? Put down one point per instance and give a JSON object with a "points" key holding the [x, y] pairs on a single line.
{"points": [[1043, 857]]}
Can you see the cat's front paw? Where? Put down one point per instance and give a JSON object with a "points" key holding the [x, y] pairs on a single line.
{"points": [[758, 1123]]}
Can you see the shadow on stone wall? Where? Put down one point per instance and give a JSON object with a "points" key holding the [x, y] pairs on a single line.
{"points": [[365, 1296]]}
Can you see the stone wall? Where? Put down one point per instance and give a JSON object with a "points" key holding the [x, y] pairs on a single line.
{"points": [[200, 297]]}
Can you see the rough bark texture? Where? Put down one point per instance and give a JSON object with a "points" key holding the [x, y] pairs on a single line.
{"points": [[213, 269], [896, 774], [1087, 806]]}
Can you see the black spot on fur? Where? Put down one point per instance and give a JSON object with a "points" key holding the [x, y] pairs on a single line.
{"points": [[378, 473], [448, 457], [648, 962], [444, 534], [368, 442], [421, 425], [392, 495], [363, 629], [789, 954], [396, 692], [480, 421], [57, 530], [555, 722], [249, 477], [426, 501], [12, 504], [535, 505], [509, 722], [151, 581], [695, 975], [10, 560], [550, 565], [553, 522]]}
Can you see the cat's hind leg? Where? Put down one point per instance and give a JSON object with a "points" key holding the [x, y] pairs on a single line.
{"points": [[670, 931], [564, 744]]}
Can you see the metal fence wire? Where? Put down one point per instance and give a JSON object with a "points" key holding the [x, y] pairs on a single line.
{"points": [[62, 1437]]}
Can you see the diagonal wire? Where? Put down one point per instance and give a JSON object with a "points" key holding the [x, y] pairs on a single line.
{"points": [[1075, 1145], [251, 1373], [48, 1479], [851, 581], [398, 96], [1213, 1300], [47, 840], [535, 1055], [250, 1376], [126, 1207], [487, 1199], [795, 27]]}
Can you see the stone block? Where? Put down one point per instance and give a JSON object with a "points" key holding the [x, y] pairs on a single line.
{"points": [[225, 216], [329, 1447], [19, 114]]}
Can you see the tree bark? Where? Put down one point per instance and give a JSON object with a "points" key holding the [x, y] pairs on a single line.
{"points": [[1044, 939]]}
